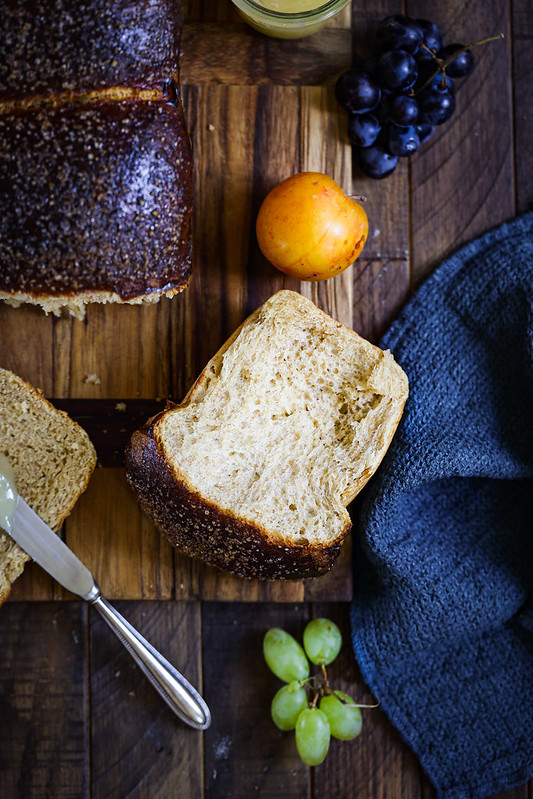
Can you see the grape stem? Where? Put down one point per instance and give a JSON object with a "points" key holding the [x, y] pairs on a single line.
{"points": [[377, 704], [443, 64], [357, 197]]}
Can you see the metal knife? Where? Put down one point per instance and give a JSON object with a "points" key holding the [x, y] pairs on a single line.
{"points": [[49, 551]]}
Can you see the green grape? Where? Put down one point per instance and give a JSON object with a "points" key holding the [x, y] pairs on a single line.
{"points": [[284, 655], [312, 736], [322, 641], [344, 719], [287, 705]]}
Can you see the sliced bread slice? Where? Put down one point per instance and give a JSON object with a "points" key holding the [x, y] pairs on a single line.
{"points": [[51, 456], [252, 473]]}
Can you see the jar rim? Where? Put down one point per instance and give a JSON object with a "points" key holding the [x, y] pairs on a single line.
{"points": [[287, 16]]}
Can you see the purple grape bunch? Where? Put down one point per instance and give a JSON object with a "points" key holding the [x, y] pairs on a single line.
{"points": [[396, 98]]}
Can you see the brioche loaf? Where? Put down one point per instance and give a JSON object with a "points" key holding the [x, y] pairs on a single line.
{"points": [[95, 159], [252, 473], [52, 458]]}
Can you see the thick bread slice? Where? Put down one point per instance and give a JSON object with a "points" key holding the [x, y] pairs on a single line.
{"points": [[52, 458], [253, 471]]}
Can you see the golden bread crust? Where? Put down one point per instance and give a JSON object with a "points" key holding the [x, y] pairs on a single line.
{"points": [[205, 531]]}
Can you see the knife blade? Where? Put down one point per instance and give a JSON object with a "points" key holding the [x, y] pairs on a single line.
{"points": [[50, 552]]}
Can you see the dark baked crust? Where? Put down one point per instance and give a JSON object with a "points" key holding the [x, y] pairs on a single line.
{"points": [[95, 198], [84, 45], [202, 530], [95, 162]]}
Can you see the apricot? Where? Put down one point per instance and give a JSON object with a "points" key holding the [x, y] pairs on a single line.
{"points": [[308, 228]]}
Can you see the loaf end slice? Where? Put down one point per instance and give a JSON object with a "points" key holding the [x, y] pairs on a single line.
{"points": [[52, 458], [252, 473]]}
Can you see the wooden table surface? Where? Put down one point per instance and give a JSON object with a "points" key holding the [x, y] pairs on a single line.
{"points": [[77, 718]]}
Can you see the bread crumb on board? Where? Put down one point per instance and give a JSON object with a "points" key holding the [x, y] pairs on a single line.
{"points": [[92, 379]]}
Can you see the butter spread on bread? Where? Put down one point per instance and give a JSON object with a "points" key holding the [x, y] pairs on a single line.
{"points": [[52, 459], [95, 159], [253, 471]]}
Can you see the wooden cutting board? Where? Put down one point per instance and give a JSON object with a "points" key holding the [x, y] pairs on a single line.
{"points": [[117, 367], [258, 109]]}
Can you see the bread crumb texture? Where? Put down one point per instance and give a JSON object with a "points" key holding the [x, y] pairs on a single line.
{"points": [[281, 430], [52, 458]]}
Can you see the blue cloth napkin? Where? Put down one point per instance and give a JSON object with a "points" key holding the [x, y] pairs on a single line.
{"points": [[442, 619]]}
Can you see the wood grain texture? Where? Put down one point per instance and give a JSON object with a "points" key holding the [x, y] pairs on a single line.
{"points": [[138, 746], [235, 54], [376, 765], [44, 748], [245, 754], [123, 550], [522, 28], [463, 178]]}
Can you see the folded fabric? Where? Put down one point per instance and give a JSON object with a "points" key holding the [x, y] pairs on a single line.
{"points": [[442, 619]]}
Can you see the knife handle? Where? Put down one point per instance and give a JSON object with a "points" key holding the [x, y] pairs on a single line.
{"points": [[177, 692]]}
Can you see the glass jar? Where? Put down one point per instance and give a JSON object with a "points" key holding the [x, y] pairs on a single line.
{"points": [[289, 19]]}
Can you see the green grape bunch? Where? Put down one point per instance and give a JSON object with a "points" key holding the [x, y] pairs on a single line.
{"points": [[308, 704]]}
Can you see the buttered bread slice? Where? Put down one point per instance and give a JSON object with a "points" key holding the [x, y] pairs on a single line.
{"points": [[252, 473]]}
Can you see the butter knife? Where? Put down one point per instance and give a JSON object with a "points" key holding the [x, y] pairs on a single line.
{"points": [[49, 551]]}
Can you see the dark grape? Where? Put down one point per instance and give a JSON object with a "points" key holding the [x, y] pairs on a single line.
{"points": [[363, 129], [402, 140], [402, 91], [437, 104], [376, 162], [399, 32], [432, 35], [443, 79], [396, 70], [403, 109], [428, 70], [424, 131], [460, 66], [357, 91]]}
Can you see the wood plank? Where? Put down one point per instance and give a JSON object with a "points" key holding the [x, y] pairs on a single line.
{"points": [[108, 532], [522, 26], [381, 288], [27, 345], [121, 351], [387, 204], [245, 754], [138, 746], [43, 701], [237, 54], [122, 548], [462, 178], [376, 763], [325, 149], [110, 422], [209, 11], [34, 585]]}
